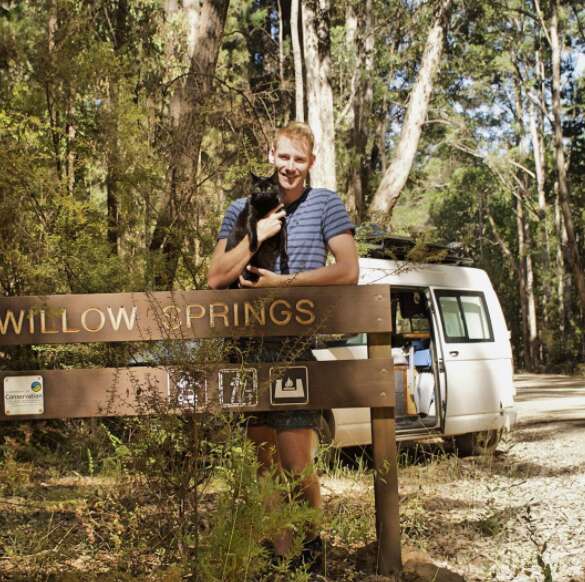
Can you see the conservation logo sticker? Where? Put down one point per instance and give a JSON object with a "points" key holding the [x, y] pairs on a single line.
{"points": [[23, 395]]}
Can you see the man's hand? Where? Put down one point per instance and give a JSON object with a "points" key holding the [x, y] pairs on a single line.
{"points": [[266, 279], [270, 224]]}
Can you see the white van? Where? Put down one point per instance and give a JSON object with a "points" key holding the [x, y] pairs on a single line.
{"points": [[452, 357]]}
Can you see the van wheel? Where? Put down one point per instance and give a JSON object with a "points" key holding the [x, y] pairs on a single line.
{"points": [[474, 444]]}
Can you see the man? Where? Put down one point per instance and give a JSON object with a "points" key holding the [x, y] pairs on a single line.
{"points": [[317, 222]]}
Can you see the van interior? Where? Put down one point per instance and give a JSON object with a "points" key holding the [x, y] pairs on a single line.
{"points": [[414, 356], [414, 353]]}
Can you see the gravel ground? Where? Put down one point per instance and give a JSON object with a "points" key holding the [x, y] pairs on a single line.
{"points": [[517, 516]]}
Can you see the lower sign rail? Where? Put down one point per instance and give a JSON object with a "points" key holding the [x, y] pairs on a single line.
{"points": [[84, 393]]}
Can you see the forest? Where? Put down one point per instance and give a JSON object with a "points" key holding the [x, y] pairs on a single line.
{"points": [[127, 127]]}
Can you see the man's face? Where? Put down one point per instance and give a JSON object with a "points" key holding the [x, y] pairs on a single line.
{"points": [[292, 161]]}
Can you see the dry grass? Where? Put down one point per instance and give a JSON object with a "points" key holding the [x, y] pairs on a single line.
{"points": [[517, 516]]}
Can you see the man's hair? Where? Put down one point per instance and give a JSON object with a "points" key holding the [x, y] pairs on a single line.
{"points": [[296, 130]]}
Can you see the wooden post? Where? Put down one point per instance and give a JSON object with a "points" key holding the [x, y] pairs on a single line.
{"points": [[386, 469]]}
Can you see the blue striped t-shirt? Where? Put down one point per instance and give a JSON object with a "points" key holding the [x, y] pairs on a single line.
{"points": [[320, 216]]}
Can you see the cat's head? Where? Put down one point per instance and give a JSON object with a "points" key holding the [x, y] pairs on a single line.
{"points": [[265, 194]]}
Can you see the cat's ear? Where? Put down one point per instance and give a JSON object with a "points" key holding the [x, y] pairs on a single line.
{"points": [[274, 178], [255, 179]]}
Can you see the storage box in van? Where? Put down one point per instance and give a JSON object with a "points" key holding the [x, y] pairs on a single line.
{"points": [[451, 353]]}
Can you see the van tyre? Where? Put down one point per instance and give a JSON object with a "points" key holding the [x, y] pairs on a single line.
{"points": [[474, 444]]}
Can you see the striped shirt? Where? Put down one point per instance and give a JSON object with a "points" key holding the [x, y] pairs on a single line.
{"points": [[319, 217]]}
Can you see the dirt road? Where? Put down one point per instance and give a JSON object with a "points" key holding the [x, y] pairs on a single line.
{"points": [[516, 517], [546, 397], [519, 516]]}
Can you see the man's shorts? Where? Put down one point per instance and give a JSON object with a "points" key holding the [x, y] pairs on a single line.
{"points": [[285, 350]]}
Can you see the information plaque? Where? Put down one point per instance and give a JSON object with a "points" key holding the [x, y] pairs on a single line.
{"points": [[23, 395]]}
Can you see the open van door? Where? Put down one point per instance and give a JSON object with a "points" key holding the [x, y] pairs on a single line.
{"points": [[477, 361], [416, 376]]}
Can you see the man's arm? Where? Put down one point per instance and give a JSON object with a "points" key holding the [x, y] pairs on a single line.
{"points": [[344, 271], [225, 267]]}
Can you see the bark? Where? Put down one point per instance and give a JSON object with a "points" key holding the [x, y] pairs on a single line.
{"points": [[114, 170], [535, 121], [560, 266], [351, 35], [362, 110], [527, 298], [297, 60], [69, 148], [112, 176], [538, 154], [317, 58], [395, 177], [51, 109], [573, 254], [522, 252], [206, 21], [502, 243]]}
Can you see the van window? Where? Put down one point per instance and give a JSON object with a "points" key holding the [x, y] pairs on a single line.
{"points": [[464, 316]]}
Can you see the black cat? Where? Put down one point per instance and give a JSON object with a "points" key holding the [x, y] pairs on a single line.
{"points": [[263, 198]]}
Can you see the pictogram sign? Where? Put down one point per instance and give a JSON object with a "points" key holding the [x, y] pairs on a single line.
{"points": [[289, 385], [238, 387]]}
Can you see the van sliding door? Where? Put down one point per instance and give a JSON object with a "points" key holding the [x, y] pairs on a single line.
{"points": [[472, 361]]}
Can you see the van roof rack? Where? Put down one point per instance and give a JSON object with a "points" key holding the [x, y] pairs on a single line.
{"points": [[381, 245]]}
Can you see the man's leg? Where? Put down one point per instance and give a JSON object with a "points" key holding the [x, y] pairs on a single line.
{"points": [[296, 451], [264, 437]]}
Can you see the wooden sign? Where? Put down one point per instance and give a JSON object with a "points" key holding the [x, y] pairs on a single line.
{"points": [[302, 311], [295, 311], [84, 393]]}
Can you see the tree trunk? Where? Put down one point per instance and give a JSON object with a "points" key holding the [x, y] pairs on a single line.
{"points": [[52, 110], [362, 110], [573, 255], [112, 173], [206, 23], [524, 240], [317, 53], [560, 264], [395, 177], [298, 61], [524, 310], [113, 162]]}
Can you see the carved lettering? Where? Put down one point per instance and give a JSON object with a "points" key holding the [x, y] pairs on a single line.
{"points": [[173, 319], [310, 319], [44, 329], [122, 314], [286, 311], [65, 323], [10, 318], [259, 316], [101, 316], [189, 316], [213, 308]]}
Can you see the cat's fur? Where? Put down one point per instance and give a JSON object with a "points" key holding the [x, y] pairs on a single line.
{"points": [[263, 198]]}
